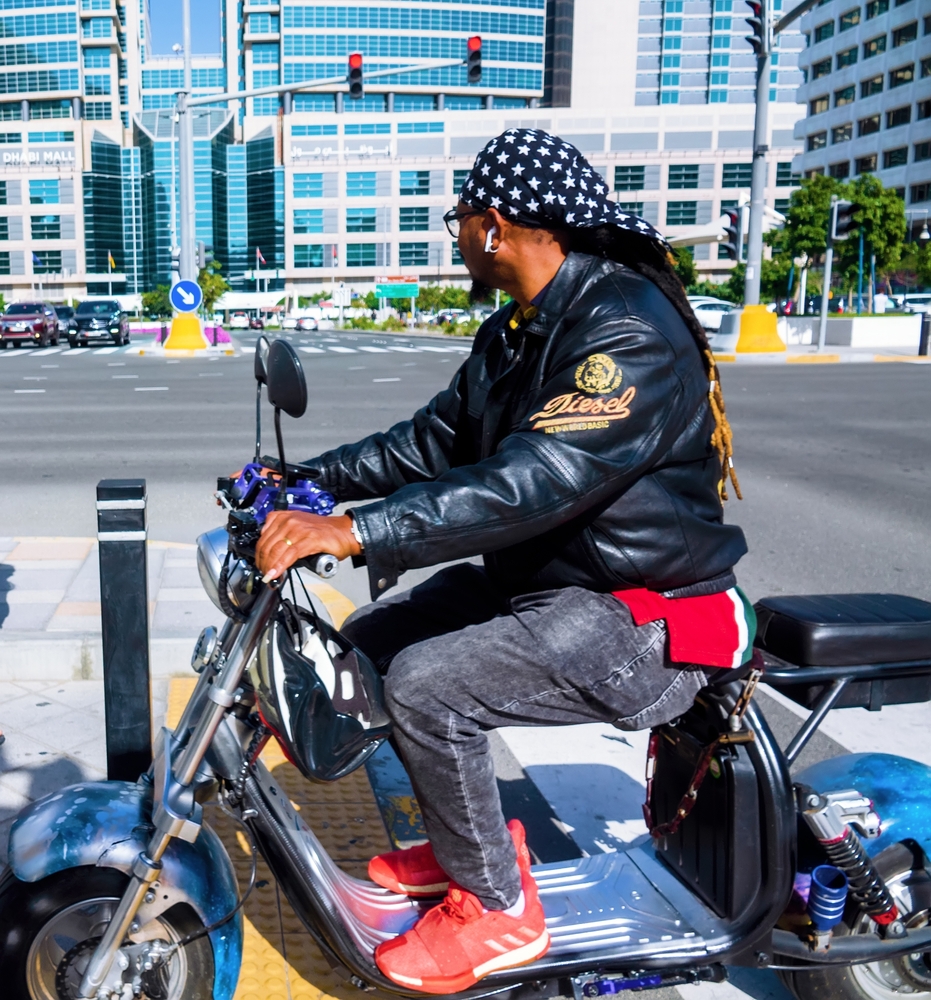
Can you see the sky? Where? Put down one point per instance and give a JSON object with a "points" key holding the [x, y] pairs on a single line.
{"points": [[165, 16]]}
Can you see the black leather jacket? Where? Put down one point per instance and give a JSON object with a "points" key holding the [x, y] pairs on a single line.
{"points": [[574, 452]]}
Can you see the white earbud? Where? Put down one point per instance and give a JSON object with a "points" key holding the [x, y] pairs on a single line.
{"points": [[488, 247]]}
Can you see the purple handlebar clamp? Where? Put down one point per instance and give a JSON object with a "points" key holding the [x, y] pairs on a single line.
{"points": [[304, 495]]}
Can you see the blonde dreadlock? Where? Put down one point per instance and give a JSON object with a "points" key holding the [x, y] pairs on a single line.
{"points": [[647, 257]]}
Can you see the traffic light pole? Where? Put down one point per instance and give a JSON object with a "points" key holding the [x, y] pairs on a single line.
{"points": [[760, 149], [828, 265], [187, 267]]}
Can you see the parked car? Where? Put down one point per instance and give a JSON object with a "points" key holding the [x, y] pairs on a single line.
{"points": [[452, 316], [239, 321], [29, 323], [289, 323], [256, 323], [96, 320], [917, 302], [307, 323], [65, 316], [710, 311]]}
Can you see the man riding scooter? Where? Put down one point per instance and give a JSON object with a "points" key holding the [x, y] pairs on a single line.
{"points": [[583, 451]]}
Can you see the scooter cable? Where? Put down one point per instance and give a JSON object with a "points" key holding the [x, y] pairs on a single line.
{"points": [[204, 931]]}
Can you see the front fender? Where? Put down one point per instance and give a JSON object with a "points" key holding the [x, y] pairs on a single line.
{"points": [[107, 824], [900, 789]]}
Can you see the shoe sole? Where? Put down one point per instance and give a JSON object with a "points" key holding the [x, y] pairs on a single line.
{"points": [[432, 889], [511, 960]]}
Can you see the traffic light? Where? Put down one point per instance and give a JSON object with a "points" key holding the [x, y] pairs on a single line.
{"points": [[356, 89], [474, 59], [731, 245], [757, 25], [842, 222], [201, 255], [175, 265]]}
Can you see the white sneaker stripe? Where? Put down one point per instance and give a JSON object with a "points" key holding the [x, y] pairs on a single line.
{"points": [[518, 956], [493, 944]]}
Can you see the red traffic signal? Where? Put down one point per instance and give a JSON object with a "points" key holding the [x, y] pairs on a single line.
{"points": [[474, 59], [356, 89], [756, 21]]}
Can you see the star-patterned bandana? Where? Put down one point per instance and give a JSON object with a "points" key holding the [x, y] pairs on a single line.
{"points": [[536, 179]]}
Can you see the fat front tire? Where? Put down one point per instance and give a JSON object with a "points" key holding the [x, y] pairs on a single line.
{"points": [[905, 976], [43, 926]]}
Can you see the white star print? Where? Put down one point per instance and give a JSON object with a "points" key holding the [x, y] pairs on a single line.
{"points": [[480, 192], [621, 217], [499, 181], [485, 169], [642, 225], [515, 193], [549, 197], [570, 216], [538, 164], [502, 157], [509, 138], [562, 201], [580, 199], [569, 182], [512, 210], [583, 185], [600, 188], [563, 155], [523, 150], [556, 166], [543, 151], [534, 183], [495, 202], [532, 205], [518, 169]]}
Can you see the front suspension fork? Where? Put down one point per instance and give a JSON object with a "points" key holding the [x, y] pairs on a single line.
{"points": [[176, 814]]}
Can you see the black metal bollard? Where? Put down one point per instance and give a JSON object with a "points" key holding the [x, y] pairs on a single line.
{"points": [[124, 614], [925, 334]]}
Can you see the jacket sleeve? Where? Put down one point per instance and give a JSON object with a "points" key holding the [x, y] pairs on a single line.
{"points": [[413, 451], [608, 409]]}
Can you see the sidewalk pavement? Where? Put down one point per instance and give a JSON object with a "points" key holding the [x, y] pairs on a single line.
{"points": [[801, 354]]}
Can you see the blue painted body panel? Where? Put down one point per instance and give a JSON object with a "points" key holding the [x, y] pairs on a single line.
{"points": [[900, 789], [104, 824]]}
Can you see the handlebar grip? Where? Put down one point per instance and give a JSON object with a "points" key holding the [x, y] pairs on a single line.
{"points": [[325, 566]]}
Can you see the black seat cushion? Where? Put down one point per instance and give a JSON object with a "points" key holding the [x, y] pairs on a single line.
{"points": [[843, 630]]}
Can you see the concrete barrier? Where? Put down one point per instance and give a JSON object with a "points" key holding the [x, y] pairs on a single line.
{"points": [[868, 332]]}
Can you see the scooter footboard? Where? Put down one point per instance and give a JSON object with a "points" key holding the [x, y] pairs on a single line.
{"points": [[106, 824]]}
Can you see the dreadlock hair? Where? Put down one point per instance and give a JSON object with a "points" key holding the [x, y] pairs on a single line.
{"points": [[647, 257]]}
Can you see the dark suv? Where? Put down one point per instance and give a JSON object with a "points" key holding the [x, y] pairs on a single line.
{"points": [[28, 323], [98, 319]]}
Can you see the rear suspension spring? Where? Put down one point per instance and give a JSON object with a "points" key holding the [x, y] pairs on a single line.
{"points": [[866, 884]]}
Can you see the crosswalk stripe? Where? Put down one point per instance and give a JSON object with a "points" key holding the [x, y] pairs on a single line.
{"points": [[344, 350], [107, 350], [405, 350], [10, 353], [46, 351], [375, 350], [437, 350], [312, 350], [76, 350], [247, 350]]}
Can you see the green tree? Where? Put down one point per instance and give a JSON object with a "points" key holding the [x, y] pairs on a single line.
{"points": [[685, 265], [434, 297], [880, 213], [212, 284], [157, 303], [806, 225]]}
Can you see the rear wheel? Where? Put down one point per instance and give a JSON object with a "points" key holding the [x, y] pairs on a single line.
{"points": [[48, 930], [905, 976]]}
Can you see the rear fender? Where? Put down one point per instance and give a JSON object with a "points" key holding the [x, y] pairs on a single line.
{"points": [[900, 789], [107, 824]]}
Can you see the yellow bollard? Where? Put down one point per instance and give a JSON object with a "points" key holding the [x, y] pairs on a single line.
{"points": [[186, 334], [758, 332]]}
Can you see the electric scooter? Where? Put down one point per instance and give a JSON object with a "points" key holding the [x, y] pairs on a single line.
{"points": [[119, 890]]}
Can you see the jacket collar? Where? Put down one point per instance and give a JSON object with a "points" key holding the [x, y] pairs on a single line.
{"points": [[564, 287]]}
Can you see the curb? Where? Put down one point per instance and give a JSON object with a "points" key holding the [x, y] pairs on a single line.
{"points": [[784, 358]]}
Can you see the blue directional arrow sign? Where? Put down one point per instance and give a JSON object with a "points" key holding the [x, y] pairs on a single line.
{"points": [[186, 296]]}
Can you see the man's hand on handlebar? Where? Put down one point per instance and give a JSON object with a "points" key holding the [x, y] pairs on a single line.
{"points": [[292, 535]]}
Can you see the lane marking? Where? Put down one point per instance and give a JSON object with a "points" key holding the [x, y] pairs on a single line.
{"points": [[247, 350], [386, 380], [312, 350], [151, 388], [124, 376], [375, 350], [406, 350], [108, 350], [210, 374], [341, 350], [75, 351], [116, 364], [18, 391], [46, 351], [437, 350]]}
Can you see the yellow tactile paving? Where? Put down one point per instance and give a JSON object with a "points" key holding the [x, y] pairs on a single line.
{"points": [[280, 960]]}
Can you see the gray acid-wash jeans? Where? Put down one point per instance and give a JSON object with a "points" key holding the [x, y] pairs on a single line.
{"points": [[462, 659]]}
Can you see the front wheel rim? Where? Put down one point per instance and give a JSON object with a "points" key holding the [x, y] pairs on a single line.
{"points": [[78, 922]]}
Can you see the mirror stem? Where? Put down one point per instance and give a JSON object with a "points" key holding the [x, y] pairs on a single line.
{"points": [[281, 501], [258, 420]]}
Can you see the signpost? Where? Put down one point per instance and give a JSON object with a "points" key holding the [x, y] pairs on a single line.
{"points": [[186, 296]]}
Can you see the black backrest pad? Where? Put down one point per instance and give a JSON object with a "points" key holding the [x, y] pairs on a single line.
{"points": [[824, 630]]}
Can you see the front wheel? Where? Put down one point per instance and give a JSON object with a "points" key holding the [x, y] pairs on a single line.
{"points": [[905, 976], [48, 930]]}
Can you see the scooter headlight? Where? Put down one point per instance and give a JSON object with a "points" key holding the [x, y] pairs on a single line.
{"points": [[212, 552]]}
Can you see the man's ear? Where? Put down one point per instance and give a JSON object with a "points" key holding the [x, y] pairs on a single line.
{"points": [[495, 221]]}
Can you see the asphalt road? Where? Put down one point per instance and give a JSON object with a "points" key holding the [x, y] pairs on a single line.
{"points": [[834, 460]]}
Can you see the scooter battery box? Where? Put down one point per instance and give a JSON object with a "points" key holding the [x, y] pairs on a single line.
{"points": [[716, 849]]}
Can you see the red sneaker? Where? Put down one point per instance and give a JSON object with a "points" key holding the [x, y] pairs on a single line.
{"points": [[459, 941], [411, 872]]}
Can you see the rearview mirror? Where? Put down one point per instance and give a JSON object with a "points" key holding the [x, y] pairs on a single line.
{"points": [[287, 388], [260, 362]]}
